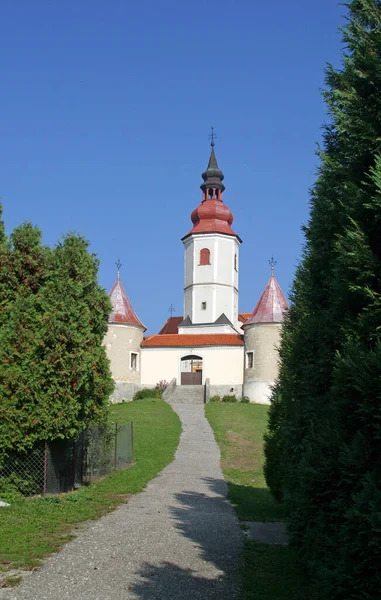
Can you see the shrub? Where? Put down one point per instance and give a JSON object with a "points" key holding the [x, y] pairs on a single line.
{"points": [[215, 399], [146, 393], [230, 398], [245, 400]]}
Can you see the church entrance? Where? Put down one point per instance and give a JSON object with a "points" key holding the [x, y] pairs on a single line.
{"points": [[191, 370]]}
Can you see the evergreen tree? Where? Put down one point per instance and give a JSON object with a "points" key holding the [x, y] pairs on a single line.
{"points": [[323, 448], [54, 373]]}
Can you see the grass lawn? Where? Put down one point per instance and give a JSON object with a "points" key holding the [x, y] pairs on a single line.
{"points": [[270, 572], [32, 528]]}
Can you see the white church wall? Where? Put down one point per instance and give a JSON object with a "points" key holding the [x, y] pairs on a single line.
{"points": [[207, 328], [222, 365]]}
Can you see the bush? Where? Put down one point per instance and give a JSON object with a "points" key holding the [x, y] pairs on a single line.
{"points": [[147, 393], [245, 400], [229, 398], [215, 399]]}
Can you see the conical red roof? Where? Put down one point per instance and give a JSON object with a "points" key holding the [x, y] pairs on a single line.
{"points": [[271, 306], [122, 311]]}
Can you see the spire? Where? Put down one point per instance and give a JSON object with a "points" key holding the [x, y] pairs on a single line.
{"points": [[212, 215], [213, 176], [122, 311], [272, 304]]}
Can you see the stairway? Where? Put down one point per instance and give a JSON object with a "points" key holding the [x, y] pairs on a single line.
{"points": [[187, 394]]}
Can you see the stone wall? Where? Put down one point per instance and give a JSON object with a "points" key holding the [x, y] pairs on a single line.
{"points": [[124, 390], [226, 390]]}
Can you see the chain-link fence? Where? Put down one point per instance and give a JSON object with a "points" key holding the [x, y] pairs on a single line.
{"points": [[63, 465]]}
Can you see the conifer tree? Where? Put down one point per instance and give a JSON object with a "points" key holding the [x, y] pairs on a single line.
{"points": [[323, 447], [54, 373]]}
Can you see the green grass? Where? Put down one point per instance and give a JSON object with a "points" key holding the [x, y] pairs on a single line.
{"points": [[270, 572], [239, 429], [32, 528]]}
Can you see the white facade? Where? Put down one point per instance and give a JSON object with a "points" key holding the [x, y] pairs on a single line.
{"points": [[222, 365], [211, 290]]}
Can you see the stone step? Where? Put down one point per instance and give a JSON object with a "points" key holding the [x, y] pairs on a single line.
{"points": [[187, 394]]}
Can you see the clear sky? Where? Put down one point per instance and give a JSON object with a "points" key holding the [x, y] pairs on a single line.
{"points": [[106, 108]]}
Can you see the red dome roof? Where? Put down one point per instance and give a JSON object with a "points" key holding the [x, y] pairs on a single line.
{"points": [[271, 306], [122, 311], [212, 216]]}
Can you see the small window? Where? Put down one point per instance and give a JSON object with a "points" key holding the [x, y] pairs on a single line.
{"points": [[249, 360], [205, 256], [203, 305], [133, 361], [235, 262]]}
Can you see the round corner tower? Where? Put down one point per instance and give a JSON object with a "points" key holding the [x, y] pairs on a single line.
{"points": [[122, 341], [262, 337]]}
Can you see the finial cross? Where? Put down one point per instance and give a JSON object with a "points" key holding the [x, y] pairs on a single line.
{"points": [[118, 265], [212, 136], [171, 309], [272, 263]]}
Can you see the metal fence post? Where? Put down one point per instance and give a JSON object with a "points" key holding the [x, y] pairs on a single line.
{"points": [[45, 469], [132, 440], [116, 445]]}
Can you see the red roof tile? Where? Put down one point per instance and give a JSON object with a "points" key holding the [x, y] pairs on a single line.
{"points": [[189, 340], [271, 306], [122, 311], [243, 316], [171, 326]]}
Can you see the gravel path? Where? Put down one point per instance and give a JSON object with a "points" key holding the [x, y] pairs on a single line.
{"points": [[178, 539]]}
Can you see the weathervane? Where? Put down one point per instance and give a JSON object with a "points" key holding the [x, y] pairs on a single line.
{"points": [[118, 266], [272, 263], [171, 309], [212, 136]]}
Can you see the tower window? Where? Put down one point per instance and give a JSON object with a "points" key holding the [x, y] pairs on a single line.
{"points": [[235, 262], [133, 361], [249, 360], [203, 305], [205, 256]]}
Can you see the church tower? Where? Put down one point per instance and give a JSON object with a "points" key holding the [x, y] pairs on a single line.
{"points": [[211, 261]]}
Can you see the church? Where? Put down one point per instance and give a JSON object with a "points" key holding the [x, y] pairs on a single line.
{"points": [[212, 349]]}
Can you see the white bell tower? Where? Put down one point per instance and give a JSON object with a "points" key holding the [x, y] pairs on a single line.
{"points": [[211, 261]]}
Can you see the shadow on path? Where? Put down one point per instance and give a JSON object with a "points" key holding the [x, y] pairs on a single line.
{"points": [[208, 521]]}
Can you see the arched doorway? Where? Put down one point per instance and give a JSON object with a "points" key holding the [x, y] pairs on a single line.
{"points": [[191, 370]]}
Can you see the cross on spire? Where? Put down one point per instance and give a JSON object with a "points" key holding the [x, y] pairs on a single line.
{"points": [[171, 309], [272, 263], [212, 136], [118, 265]]}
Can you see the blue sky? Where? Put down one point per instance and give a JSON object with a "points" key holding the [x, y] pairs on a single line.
{"points": [[106, 109]]}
